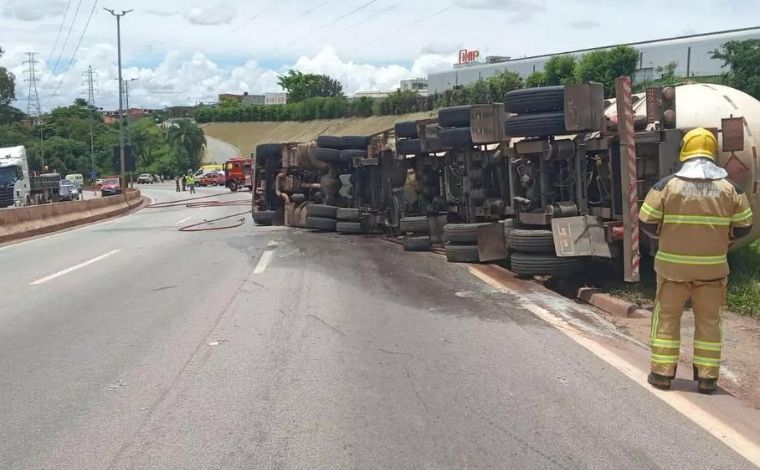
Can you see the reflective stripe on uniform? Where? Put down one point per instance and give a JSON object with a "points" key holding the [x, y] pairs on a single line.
{"points": [[664, 359], [696, 220], [690, 259], [651, 211], [655, 321], [706, 361], [707, 345], [742, 216], [666, 343]]}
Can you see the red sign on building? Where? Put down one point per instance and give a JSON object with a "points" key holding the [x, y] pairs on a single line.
{"points": [[466, 57]]}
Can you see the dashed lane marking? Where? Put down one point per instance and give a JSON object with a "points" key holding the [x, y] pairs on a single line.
{"points": [[73, 268], [266, 258]]}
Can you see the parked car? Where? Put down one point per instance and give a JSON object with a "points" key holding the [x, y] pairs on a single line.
{"points": [[68, 190], [157, 178], [145, 178], [212, 179], [77, 179], [110, 187]]}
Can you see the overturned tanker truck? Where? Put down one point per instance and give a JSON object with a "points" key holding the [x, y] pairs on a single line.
{"points": [[547, 182]]}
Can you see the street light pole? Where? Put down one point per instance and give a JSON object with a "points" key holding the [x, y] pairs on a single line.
{"points": [[121, 98]]}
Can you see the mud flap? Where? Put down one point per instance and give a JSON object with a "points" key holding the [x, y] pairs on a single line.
{"points": [[581, 236], [492, 244]]}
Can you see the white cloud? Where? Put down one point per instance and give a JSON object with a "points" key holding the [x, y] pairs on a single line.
{"points": [[33, 10], [209, 15], [584, 24]]}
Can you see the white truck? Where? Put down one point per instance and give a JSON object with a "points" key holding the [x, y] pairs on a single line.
{"points": [[20, 188]]}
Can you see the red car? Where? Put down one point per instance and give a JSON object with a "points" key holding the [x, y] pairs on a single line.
{"points": [[212, 179], [110, 187]]}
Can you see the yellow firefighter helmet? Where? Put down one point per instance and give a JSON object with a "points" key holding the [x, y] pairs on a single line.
{"points": [[699, 142]]}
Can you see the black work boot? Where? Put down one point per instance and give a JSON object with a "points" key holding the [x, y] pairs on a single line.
{"points": [[659, 381], [705, 386]]}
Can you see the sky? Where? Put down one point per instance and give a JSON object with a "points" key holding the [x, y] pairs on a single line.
{"points": [[181, 52]]}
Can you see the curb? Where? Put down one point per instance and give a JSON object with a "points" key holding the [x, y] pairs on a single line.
{"points": [[612, 305]]}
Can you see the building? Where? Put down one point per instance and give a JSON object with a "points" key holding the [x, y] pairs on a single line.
{"points": [[131, 115], [371, 94], [275, 98], [420, 85], [692, 55], [251, 100]]}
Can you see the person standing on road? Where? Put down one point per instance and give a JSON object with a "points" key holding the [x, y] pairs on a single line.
{"points": [[191, 183], [176, 180], [693, 216], [184, 182]]}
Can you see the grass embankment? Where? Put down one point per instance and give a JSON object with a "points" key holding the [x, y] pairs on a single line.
{"points": [[743, 295]]}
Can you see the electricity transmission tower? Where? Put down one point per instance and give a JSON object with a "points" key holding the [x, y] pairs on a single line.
{"points": [[33, 107], [91, 82]]}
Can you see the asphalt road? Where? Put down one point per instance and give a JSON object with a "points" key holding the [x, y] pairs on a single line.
{"points": [[280, 348], [218, 151]]}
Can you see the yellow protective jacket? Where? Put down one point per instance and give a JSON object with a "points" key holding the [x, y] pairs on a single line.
{"points": [[695, 221]]}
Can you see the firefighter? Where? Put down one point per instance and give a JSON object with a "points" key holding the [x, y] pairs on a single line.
{"points": [[191, 183], [692, 217]]}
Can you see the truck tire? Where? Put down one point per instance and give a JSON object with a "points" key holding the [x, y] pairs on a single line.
{"points": [[347, 156], [409, 147], [348, 227], [348, 215], [354, 142], [269, 150], [406, 129], [456, 137], [462, 253], [535, 100], [327, 155], [233, 186], [263, 217], [536, 125], [321, 223], [461, 233], [531, 241], [417, 244], [323, 211], [531, 264], [419, 225], [455, 116], [329, 142]]}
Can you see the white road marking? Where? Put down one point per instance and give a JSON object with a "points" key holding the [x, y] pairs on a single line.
{"points": [[73, 268], [266, 258], [722, 431], [180, 222]]}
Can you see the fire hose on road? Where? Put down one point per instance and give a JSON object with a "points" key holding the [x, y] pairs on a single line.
{"points": [[203, 202]]}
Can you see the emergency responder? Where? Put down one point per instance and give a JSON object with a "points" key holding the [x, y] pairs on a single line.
{"points": [[191, 183], [693, 217]]}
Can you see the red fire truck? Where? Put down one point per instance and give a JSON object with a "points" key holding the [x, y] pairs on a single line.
{"points": [[238, 173]]}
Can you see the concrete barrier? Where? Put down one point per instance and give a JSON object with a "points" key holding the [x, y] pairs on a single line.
{"points": [[23, 222]]}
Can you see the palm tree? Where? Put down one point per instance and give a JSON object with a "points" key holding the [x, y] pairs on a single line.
{"points": [[187, 139]]}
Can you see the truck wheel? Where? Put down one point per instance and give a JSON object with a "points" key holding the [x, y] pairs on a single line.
{"points": [[354, 142], [321, 223], [406, 129], [327, 155], [417, 244], [329, 142], [531, 241], [535, 100], [348, 227], [455, 116], [419, 225], [233, 186], [323, 211], [409, 147], [462, 253], [531, 264], [348, 215], [347, 156], [456, 137], [461, 233], [536, 125], [263, 217]]}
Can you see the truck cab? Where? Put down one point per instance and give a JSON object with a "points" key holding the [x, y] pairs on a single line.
{"points": [[14, 177]]}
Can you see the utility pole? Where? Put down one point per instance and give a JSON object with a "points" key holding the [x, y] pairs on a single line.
{"points": [[90, 80], [33, 107], [121, 97], [126, 99]]}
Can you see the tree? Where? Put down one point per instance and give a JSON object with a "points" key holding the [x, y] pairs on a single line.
{"points": [[7, 85], [302, 86], [560, 70], [187, 141], [604, 66], [502, 83], [743, 61], [536, 79]]}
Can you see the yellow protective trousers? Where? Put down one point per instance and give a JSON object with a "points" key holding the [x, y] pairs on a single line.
{"points": [[707, 298]]}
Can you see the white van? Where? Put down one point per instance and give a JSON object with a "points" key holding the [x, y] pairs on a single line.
{"points": [[76, 178]]}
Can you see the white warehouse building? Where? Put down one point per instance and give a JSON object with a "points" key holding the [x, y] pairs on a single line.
{"points": [[692, 54]]}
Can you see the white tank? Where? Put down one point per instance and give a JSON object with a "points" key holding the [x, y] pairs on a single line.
{"points": [[704, 105]]}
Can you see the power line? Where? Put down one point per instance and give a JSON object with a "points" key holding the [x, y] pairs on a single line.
{"points": [[363, 20], [309, 33], [259, 13], [420, 20], [33, 98], [68, 35], [302, 15], [60, 29]]}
